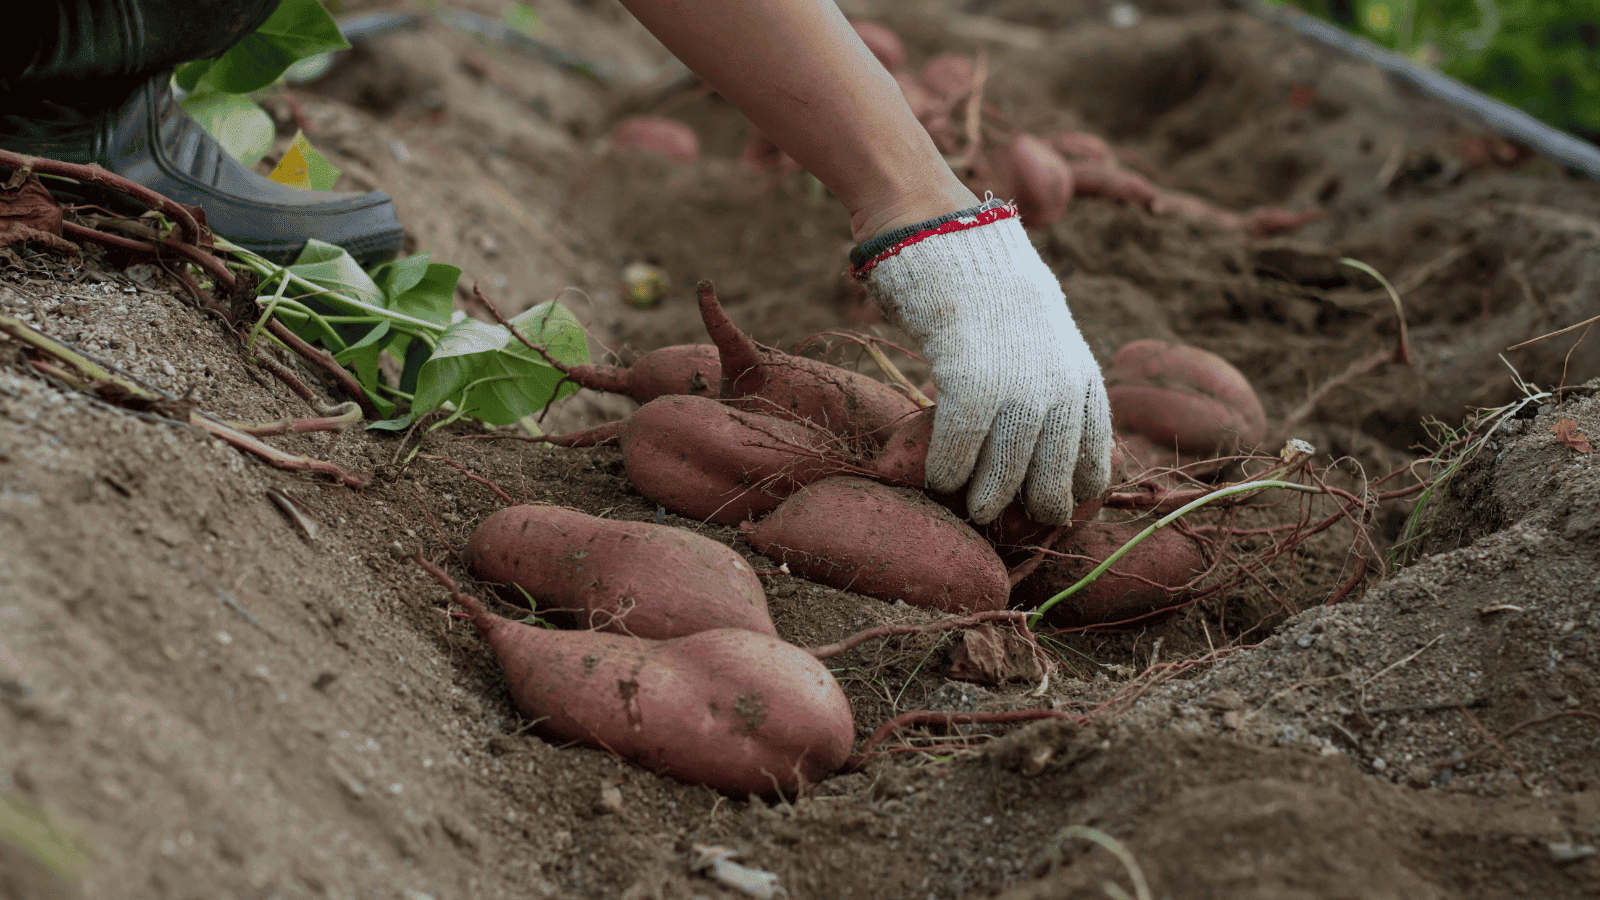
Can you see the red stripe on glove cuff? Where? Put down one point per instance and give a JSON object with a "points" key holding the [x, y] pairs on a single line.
{"points": [[995, 214]]}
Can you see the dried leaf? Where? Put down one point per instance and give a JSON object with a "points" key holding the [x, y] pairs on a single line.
{"points": [[28, 213], [990, 655], [1566, 431]]}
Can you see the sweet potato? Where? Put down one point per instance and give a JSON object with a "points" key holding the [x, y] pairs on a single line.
{"points": [[1140, 589], [709, 461], [1107, 179], [741, 712], [679, 369], [651, 581], [1081, 146], [1184, 398], [1013, 535], [883, 43], [948, 77], [763, 380], [891, 543], [1033, 173], [662, 137]]}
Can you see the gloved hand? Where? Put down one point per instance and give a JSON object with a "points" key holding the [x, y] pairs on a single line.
{"points": [[1021, 401]]}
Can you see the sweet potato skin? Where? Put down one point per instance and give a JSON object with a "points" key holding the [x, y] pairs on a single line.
{"points": [[652, 581], [1166, 558], [679, 369], [773, 383], [662, 137], [741, 712], [709, 461], [1183, 397], [885, 542], [1031, 171]]}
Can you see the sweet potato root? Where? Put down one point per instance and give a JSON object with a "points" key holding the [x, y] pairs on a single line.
{"points": [[1183, 397], [891, 543], [652, 581], [662, 137], [680, 369], [709, 461], [741, 712], [1033, 173], [774, 383], [1139, 590]]}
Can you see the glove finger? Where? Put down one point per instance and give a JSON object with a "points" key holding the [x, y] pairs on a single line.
{"points": [[1051, 494], [1004, 462], [1093, 474], [959, 429]]}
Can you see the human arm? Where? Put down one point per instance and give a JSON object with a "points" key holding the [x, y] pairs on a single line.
{"points": [[1021, 402]]}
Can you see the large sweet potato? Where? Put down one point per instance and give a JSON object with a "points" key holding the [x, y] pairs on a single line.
{"points": [[771, 382], [653, 581], [679, 369], [891, 543], [1183, 397], [1141, 588], [741, 712]]}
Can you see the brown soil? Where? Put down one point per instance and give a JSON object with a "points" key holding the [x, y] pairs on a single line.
{"points": [[219, 705]]}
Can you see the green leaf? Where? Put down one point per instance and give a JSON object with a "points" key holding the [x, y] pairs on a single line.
{"points": [[491, 376], [296, 30], [362, 356], [236, 122], [416, 287], [332, 267]]}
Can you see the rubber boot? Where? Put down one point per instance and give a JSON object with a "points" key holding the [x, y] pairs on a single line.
{"points": [[94, 86]]}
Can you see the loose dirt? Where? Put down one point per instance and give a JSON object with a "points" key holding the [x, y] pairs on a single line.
{"points": [[215, 703]]}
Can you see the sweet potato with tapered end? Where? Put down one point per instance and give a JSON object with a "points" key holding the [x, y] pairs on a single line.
{"points": [[652, 581], [1037, 177], [1143, 586], [709, 461], [679, 369], [885, 542], [949, 77], [738, 711], [1184, 398], [662, 137], [771, 382]]}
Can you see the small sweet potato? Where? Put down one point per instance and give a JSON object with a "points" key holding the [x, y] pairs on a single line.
{"points": [[1037, 177], [662, 137], [1109, 180], [771, 382], [1140, 589], [891, 543], [651, 581], [1184, 398], [883, 43], [679, 369], [740, 712], [948, 77]]}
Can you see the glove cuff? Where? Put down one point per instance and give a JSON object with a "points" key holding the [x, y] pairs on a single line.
{"points": [[866, 256]]}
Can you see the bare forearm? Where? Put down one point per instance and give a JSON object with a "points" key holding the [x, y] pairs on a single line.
{"points": [[799, 72]]}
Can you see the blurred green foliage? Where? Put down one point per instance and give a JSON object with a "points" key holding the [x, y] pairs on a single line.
{"points": [[1541, 56]]}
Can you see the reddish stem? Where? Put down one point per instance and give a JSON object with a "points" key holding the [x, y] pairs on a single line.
{"points": [[324, 360], [1020, 619]]}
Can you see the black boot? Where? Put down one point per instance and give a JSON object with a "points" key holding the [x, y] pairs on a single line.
{"points": [[88, 94]]}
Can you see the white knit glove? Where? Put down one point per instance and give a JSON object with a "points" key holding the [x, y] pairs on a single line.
{"points": [[1021, 400]]}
